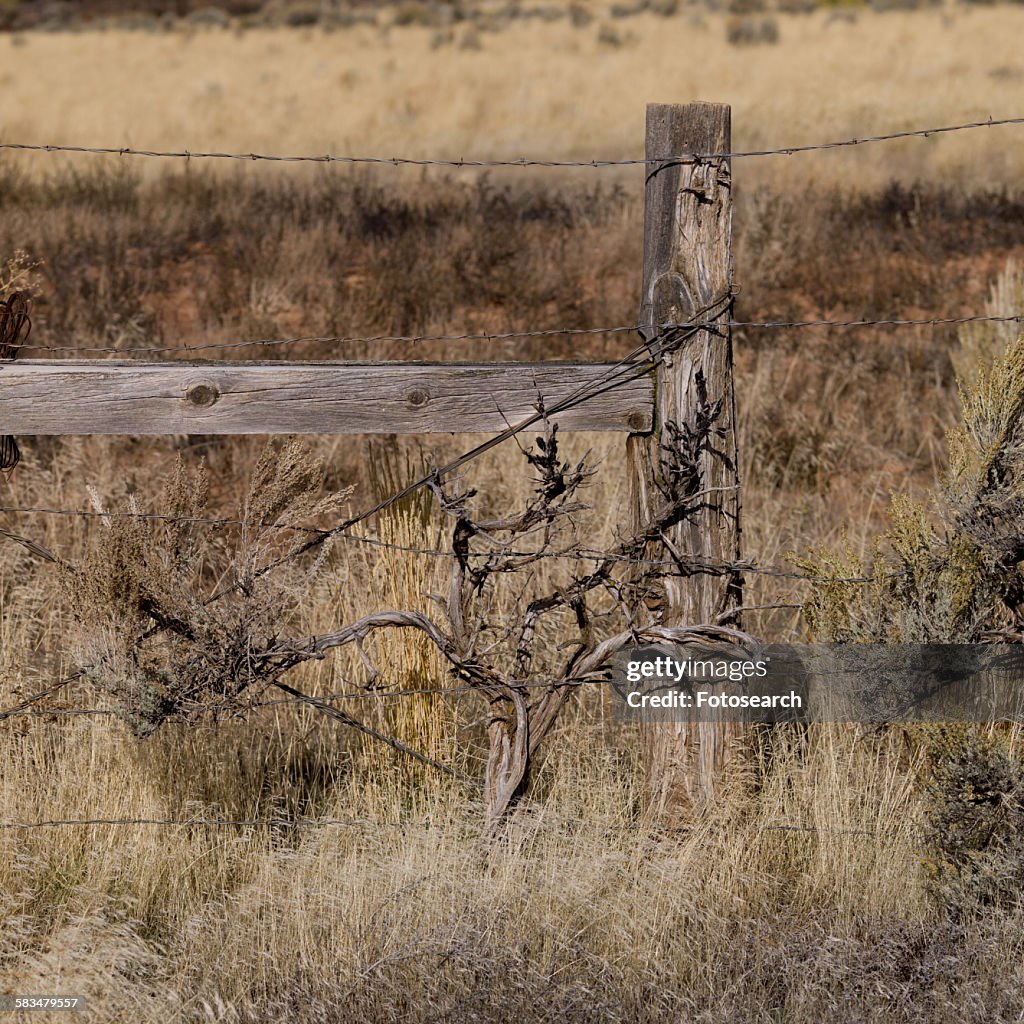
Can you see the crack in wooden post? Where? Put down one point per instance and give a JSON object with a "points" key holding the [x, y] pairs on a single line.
{"points": [[687, 266]]}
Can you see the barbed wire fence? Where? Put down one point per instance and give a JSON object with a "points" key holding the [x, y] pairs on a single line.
{"points": [[397, 161], [371, 825], [187, 348], [656, 343]]}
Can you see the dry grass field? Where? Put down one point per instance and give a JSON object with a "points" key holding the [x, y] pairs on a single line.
{"points": [[535, 88], [839, 875]]}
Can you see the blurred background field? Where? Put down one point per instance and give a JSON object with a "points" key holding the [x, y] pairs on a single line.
{"points": [[431, 80]]}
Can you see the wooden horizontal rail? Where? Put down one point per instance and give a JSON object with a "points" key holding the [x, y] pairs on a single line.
{"points": [[116, 397]]}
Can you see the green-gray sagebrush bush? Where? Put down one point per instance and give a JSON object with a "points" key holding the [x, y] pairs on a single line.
{"points": [[951, 573]]}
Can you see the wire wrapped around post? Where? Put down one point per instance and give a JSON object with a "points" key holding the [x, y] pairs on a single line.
{"points": [[15, 326]]}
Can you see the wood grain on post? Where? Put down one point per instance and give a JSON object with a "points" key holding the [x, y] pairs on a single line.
{"points": [[108, 397], [688, 267]]}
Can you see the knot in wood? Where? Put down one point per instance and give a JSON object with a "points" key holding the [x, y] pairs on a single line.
{"points": [[202, 393], [417, 397]]}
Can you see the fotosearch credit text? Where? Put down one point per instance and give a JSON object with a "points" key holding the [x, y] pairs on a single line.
{"points": [[820, 683]]}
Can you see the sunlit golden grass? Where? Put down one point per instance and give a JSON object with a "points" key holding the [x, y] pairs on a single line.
{"points": [[539, 89], [802, 894], [803, 881], [409, 907]]}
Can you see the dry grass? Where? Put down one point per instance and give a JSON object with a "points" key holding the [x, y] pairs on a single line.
{"points": [[197, 257], [582, 914], [585, 911], [579, 915], [538, 89]]}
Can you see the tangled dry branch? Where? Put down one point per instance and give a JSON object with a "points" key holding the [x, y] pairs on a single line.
{"points": [[149, 637]]}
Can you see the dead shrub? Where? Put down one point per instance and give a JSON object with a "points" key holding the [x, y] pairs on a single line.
{"points": [[150, 634]]}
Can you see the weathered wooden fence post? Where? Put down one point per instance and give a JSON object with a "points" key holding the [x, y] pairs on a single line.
{"points": [[688, 268]]}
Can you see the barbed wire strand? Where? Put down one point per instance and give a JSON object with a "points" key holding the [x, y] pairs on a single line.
{"points": [[28, 708], [25, 710], [581, 555], [381, 825], [205, 822], [395, 161], [567, 332], [634, 365], [342, 339]]}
